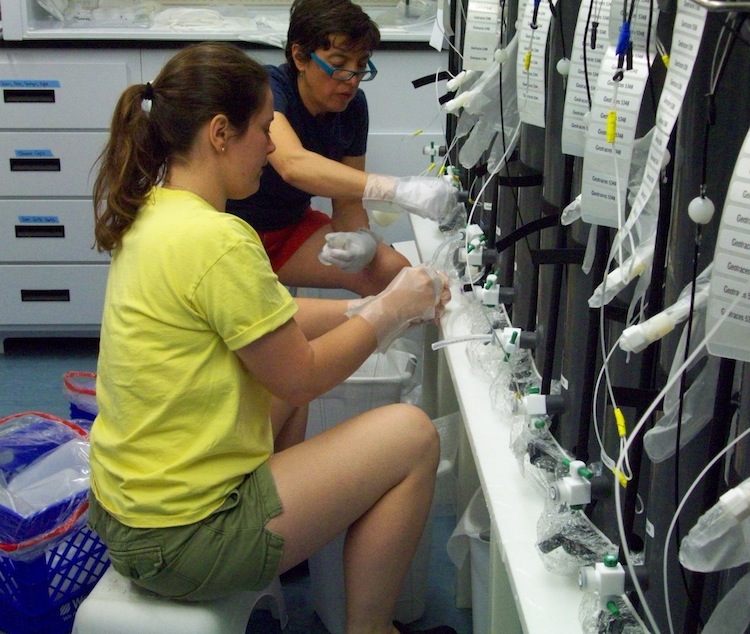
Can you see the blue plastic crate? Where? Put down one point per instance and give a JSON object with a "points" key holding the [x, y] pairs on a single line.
{"points": [[41, 596]]}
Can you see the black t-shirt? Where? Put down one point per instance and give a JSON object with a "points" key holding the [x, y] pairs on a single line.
{"points": [[277, 204]]}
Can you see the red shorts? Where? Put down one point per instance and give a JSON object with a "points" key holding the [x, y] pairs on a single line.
{"points": [[282, 244]]}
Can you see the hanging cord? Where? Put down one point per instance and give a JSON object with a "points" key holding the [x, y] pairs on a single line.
{"points": [[648, 55], [716, 74], [556, 11], [683, 389], [592, 31]]}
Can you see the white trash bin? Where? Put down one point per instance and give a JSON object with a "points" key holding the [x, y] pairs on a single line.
{"points": [[471, 539], [382, 380]]}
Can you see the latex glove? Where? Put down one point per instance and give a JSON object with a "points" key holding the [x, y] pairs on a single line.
{"points": [[416, 295], [351, 251], [425, 196]]}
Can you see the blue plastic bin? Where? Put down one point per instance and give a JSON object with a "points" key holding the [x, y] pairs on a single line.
{"points": [[41, 596], [80, 388], [24, 438], [49, 560]]}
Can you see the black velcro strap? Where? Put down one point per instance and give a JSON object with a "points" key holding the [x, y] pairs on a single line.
{"points": [[545, 222], [430, 79]]}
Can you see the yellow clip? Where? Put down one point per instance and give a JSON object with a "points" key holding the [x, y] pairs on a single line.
{"points": [[621, 427], [527, 61], [611, 126], [417, 132], [665, 59], [431, 167], [621, 478]]}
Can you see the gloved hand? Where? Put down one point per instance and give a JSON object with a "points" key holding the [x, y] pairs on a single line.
{"points": [[351, 251], [414, 296], [425, 196]]}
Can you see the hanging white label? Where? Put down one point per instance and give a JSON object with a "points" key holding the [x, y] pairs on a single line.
{"points": [[606, 163], [530, 63], [589, 44], [686, 37], [481, 35], [729, 297]]}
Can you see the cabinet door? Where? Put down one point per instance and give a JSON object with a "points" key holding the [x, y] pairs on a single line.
{"points": [[41, 163], [56, 294], [63, 89], [39, 230]]}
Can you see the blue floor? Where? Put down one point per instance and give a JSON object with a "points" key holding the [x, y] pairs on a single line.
{"points": [[31, 372]]}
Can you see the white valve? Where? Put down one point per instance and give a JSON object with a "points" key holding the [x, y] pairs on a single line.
{"points": [[509, 338], [489, 294], [574, 489], [607, 579]]}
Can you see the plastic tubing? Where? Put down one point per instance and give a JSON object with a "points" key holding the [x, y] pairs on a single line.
{"points": [[629, 441]]}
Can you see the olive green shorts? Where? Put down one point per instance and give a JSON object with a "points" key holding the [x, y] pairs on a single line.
{"points": [[229, 551]]}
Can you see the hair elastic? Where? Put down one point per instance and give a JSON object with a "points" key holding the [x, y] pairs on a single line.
{"points": [[148, 97]]}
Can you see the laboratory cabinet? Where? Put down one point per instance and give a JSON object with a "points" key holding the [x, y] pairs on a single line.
{"points": [[54, 118]]}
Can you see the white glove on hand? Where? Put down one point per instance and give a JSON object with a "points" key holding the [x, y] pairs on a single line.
{"points": [[414, 296], [351, 251], [425, 196]]}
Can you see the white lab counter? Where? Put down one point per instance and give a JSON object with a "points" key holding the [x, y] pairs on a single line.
{"points": [[524, 596]]}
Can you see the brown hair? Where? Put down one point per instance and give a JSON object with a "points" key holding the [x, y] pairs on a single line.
{"points": [[156, 123], [312, 22]]}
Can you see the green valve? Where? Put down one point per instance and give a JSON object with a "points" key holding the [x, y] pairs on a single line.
{"points": [[613, 609], [532, 389], [539, 423], [610, 561]]}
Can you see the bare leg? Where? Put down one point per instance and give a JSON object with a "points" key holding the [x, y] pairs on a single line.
{"points": [[375, 475], [289, 424], [304, 269]]}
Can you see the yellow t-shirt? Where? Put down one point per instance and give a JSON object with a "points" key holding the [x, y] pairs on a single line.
{"points": [[181, 420]]}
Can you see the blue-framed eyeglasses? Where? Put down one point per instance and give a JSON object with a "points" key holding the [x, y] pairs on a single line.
{"points": [[344, 74]]}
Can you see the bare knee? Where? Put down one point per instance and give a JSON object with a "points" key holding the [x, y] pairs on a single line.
{"points": [[421, 432]]}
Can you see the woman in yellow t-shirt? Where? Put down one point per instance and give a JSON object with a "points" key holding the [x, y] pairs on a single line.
{"points": [[201, 482]]}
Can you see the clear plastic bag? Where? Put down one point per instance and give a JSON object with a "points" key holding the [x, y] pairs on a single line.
{"points": [[597, 620], [720, 538], [568, 540], [80, 390], [44, 482]]}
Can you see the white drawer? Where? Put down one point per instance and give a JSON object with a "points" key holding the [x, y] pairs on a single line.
{"points": [[63, 89], [48, 163], [48, 231], [48, 294]]}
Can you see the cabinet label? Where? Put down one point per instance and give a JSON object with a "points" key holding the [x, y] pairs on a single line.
{"points": [[29, 83]]}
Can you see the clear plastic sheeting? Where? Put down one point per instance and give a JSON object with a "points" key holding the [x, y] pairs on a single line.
{"points": [[720, 538], [406, 14], [732, 614], [619, 618], [96, 14], [538, 454], [633, 246], [659, 442], [637, 337], [567, 541], [44, 482], [490, 124]]}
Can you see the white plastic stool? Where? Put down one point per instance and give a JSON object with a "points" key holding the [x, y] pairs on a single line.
{"points": [[118, 606]]}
